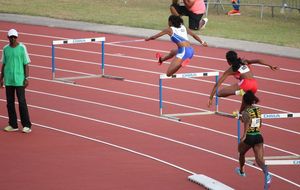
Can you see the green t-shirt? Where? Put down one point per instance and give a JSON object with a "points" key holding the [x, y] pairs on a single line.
{"points": [[14, 60]]}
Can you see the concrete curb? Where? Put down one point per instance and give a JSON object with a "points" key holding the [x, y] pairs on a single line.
{"points": [[142, 33]]}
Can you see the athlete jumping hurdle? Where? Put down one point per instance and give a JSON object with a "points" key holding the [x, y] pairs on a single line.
{"points": [[240, 69], [179, 35]]}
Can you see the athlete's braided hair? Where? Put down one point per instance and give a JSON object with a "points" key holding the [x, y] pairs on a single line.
{"points": [[176, 21], [234, 60], [249, 98]]}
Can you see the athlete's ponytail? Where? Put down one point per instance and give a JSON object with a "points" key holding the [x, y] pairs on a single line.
{"points": [[234, 60]]}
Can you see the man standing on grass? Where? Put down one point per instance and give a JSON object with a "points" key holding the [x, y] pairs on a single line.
{"points": [[194, 9], [14, 74]]}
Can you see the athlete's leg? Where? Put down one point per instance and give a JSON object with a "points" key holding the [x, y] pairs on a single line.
{"points": [[171, 54], [174, 11], [246, 85], [243, 149], [228, 90], [174, 66], [259, 156]]}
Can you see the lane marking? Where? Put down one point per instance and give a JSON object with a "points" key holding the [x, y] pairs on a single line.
{"points": [[151, 157]]}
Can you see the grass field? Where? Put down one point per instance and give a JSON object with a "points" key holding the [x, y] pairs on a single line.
{"points": [[282, 29]]}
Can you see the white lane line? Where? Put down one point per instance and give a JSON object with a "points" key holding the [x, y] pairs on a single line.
{"points": [[141, 70], [136, 58], [133, 47], [146, 133]]}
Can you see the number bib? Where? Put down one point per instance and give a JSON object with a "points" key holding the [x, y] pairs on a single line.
{"points": [[243, 69], [255, 123]]}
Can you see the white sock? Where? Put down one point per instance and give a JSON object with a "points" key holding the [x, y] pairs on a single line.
{"points": [[238, 92]]}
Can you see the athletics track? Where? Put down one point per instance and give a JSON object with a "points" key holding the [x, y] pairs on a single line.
{"points": [[107, 134]]}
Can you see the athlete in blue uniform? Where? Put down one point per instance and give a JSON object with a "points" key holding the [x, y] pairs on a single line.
{"points": [[179, 35]]}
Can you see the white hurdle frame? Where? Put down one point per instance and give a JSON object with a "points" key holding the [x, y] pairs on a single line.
{"points": [[187, 75], [77, 41]]}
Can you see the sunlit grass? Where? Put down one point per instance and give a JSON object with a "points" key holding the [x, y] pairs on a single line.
{"points": [[282, 29]]}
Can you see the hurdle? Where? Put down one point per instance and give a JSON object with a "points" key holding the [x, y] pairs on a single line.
{"points": [[176, 116], [273, 160], [78, 41]]}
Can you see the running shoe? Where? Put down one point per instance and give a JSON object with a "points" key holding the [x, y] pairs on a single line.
{"points": [[26, 130], [268, 179], [158, 57], [241, 92], [238, 171], [234, 13], [203, 23], [10, 129]]}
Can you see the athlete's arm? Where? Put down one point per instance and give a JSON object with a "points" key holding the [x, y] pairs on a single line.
{"points": [[2, 75], [163, 32], [196, 37], [260, 62], [189, 3], [246, 120], [220, 81]]}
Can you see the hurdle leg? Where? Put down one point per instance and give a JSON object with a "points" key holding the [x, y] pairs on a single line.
{"points": [[53, 61]]}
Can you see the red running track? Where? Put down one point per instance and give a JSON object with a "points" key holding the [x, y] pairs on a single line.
{"points": [[107, 134]]}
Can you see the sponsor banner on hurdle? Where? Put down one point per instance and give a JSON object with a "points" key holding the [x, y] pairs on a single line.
{"points": [[190, 75], [79, 41], [268, 116], [280, 115]]}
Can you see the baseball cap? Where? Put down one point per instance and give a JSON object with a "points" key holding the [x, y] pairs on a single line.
{"points": [[12, 32]]}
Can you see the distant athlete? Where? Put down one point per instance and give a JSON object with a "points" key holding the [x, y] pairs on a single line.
{"points": [[240, 69], [179, 35], [252, 138]]}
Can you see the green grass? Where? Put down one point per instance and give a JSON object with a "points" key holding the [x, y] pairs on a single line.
{"points": [[282, 29]]}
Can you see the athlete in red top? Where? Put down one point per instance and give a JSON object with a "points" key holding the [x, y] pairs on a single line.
{"points": [[240, 69]]}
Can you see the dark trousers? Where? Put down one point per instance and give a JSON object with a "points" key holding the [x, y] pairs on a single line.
{"points": [[194, 19], [10, 97], [236, 4]]}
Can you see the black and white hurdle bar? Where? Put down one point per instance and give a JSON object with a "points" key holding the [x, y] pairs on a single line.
{"points": [[176, 116], [78, 41]]}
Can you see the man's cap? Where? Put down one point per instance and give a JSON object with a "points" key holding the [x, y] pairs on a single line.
{"points": [[12, 32]]}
